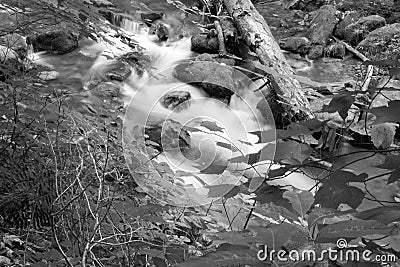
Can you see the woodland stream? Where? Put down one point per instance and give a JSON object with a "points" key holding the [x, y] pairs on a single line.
{"points": [[144, 89]]}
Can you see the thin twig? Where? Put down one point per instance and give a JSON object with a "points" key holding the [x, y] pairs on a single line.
{"points": [[221, 38]]}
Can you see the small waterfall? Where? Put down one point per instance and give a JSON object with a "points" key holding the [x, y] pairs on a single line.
{"points": [[116, 19], [130, 26], [126, 22]]}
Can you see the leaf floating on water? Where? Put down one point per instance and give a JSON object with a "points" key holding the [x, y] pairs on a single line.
{"points": [[212, 126]]}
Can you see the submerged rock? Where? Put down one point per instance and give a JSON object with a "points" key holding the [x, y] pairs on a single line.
{"points": [[176, 100], [356, 32], [382, 43], [55, 42]]}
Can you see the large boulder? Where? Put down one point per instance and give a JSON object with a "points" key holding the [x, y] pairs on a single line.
{"points": [[323, 23], [382, 43], [215, 79], [356, 32], [55, 42]]}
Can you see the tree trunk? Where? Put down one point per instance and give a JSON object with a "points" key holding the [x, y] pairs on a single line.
{"points": [[257, 35]]}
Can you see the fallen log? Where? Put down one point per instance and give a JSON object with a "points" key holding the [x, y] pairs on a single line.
{"points": [[257, 35]]}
